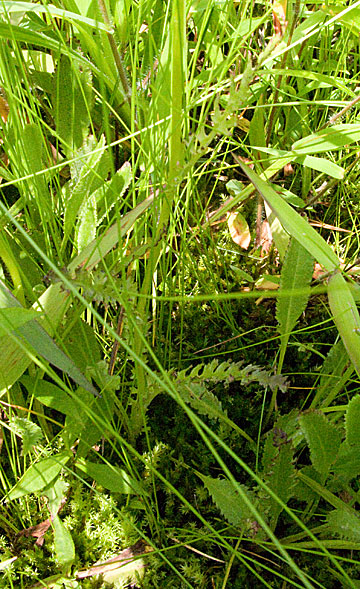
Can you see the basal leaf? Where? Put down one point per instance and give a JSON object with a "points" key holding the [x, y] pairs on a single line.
{"points": [[352, 421], [345, 524], [39, 475], [323, 439], [111, 477], [347, 463], [64, 544], [50, 395], [30, 433], [321, 165], [229, 502], [295, 281], [346, 316]]}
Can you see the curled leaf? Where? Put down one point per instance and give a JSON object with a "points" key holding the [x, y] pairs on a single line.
{"points": [[239, 230]]}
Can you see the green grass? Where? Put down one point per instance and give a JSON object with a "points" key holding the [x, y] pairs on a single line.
{"points": [[161, 404]]}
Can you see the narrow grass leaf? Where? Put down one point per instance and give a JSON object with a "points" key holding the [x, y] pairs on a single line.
{"points": [[293, 223], [39, 475], [323, 439], [346, 316], [329, 139], [64, 544]]}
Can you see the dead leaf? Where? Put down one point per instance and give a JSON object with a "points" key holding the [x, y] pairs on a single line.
{"points": [[123, 565], [265, 238], [239, 230]]}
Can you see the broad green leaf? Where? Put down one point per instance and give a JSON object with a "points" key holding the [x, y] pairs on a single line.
{"points": [[111, 477], [64, 544], [71, 103], [33, 143], [30, 433], [235, 188], [309, 161], [350, 20], [293, 223], [323, 439], [229, 502], [328, 139], [346, 316], [352, 421], [12, 7], [55, 493], [35, 336], [11, 319], [321, 165], [50, 395], [39, 475], [344, 524], [295, 282]]}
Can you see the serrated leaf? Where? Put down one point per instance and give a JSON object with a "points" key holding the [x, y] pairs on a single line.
{"points": [[345, 524], [87, 223], [280, 476], [323, 439], [296, 276], [30, 433], [111, 477], [64, 544], [229, 502], [92, 171], [352, 421], [239, 230], [347, 463], [39, 475]]}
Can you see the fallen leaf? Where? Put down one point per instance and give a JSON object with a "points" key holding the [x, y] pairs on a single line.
{"points": [[123, 565], [239, 230]]}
